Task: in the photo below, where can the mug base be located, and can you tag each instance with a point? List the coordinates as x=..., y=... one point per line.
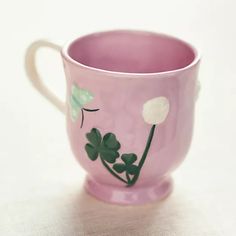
x=130, y=195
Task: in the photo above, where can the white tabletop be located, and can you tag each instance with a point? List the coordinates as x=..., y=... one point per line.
x=41, y=190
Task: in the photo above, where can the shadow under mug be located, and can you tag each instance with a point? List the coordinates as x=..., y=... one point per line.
x=129, y=109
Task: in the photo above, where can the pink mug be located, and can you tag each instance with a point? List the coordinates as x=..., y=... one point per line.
x=129, y=109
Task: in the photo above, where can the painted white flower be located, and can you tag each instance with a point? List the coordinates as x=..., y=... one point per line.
x=156, y=110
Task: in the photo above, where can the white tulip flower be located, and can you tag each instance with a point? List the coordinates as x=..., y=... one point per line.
x=156, y=110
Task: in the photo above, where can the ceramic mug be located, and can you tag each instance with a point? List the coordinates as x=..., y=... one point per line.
x=129, y=109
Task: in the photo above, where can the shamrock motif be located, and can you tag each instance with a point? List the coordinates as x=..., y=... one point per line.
x=106, y=147
x=79, y=97
x=155, y=111
x=128, y=165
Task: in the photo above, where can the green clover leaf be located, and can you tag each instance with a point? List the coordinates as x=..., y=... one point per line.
x=111, y=142
x=119, y=167
x=132, y=169
x=92, y=148
x=128, y=166
x=107, y=147
x=94, y=137
x=91, y=151
x=129, y=158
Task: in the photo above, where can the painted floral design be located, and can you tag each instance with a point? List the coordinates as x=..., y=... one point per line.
x=156, y=110
x=128, y=165
x=80, y=97
x=107, y=147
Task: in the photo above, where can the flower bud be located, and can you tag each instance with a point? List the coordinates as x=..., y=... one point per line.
x=156, y=110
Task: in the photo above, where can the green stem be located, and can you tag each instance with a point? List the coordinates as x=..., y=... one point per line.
x=128, y=178
x=112, y=172
x=143, y=158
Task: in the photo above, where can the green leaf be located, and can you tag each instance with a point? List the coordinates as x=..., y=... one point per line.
x=129, y=158
x=109, y=155
x=119, y=167
x=91, y=151
x=84, y=96
x=111, y=142
x=94, y=137
x=132, y=169
x=74, y=103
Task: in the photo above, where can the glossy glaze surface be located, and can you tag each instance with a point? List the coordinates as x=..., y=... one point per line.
x=120, y=98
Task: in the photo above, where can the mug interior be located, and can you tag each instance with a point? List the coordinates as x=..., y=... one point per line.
x=131, y=52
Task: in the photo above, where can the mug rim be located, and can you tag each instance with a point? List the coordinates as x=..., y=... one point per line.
x=195, y=61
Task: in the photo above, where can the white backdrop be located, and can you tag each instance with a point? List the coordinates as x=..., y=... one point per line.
x=40, y=181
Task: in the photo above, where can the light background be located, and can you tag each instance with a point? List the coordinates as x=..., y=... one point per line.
x=40, y=181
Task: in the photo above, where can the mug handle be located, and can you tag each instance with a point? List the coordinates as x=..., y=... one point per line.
x=33, y=75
